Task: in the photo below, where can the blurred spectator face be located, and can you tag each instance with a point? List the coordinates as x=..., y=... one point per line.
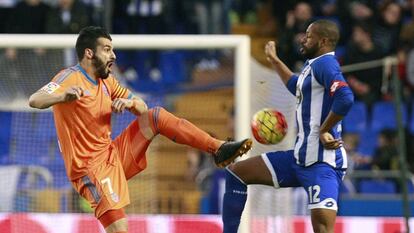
x=303, y=12
x=65, y=4
x=392, y=14
x=33, y=2
x=360, y=11
x=359, y=36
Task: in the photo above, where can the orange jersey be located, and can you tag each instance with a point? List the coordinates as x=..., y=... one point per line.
x=84, y=126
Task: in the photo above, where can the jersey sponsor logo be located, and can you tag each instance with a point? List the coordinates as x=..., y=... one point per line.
x=50, y=87
x=335, y=86
x=299, y=96
x=115, y=197
x=239, y=192
x=329, y=204
x=87, y=93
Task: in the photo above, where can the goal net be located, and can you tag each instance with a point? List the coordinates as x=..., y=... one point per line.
x=210, y=80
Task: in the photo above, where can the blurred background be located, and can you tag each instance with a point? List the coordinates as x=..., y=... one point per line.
x=181, y=190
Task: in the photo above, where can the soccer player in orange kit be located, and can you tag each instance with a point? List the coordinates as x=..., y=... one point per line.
x=83, y=98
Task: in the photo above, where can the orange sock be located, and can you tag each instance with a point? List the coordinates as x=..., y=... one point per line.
x=181, y=131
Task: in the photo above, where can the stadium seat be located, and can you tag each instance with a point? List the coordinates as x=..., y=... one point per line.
x=368, y=141
x=411, y=124
x=172, y=67
x=377, y=186
x=356, y=119
x=383, y=116
x=5, y=119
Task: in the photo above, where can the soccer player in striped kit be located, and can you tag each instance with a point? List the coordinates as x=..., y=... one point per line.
x=318, y=161
x=83, y=98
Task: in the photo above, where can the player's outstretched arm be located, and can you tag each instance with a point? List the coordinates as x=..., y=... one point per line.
x=42, y=99
x=280, y=67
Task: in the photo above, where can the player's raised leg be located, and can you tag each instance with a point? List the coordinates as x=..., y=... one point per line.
x=160, y=121
x=273, y=169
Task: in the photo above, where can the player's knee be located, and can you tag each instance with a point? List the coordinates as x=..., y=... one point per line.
x=121, y=225
x=323, y=220
x=114, y=221
x=322, y=228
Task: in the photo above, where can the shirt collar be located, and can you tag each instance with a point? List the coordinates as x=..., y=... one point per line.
x=313, y=59
x=94, y=82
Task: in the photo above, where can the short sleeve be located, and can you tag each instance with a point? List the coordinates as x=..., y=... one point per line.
x=327, y=72
x=60, y=82
x=117, y=91
x=291, y=84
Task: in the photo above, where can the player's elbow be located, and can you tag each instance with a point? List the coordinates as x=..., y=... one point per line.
x=343, y=101
x=34, y=102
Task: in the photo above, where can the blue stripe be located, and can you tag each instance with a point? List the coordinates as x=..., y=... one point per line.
x=339, y=159
x=86, y=75
x=306, y=110
x=92, y=188
x=65, y=74
x=326, y=108
x=130, y=95
x=155, y=118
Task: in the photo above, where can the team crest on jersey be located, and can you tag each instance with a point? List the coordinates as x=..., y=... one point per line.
x=299, y=96
x=329, y=204
x=50, y=87
x=115, y=197
x=105, y=90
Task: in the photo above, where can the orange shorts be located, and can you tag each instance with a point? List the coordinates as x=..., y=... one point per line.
x=105, y=186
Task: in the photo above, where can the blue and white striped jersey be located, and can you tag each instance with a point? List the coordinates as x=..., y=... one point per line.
x=314, y=89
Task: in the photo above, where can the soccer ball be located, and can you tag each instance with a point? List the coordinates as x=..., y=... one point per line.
x=269, y=126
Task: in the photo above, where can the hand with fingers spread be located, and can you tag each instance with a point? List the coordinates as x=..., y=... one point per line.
x=270, y=51
x=73, y=93
x=329, y=142
x=119, y=105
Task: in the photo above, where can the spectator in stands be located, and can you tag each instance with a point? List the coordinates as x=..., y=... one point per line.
x=6, y=7
x=243, y=11
x=366, y=84
x=407, y=57
x=296, y=23
x=386, y=154
x=97, y=13
x=387, y=27
x=353, y=11
x=28, y=16
x=68, y=17
x=210, y=20
x=147, y=17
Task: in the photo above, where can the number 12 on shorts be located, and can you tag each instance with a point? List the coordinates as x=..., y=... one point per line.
x=313, y=192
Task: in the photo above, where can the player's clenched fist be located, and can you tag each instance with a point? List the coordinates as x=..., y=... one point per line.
x=72, y=93
x=120, y=104
x=270, y=51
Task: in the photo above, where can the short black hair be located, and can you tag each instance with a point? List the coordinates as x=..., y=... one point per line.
x=328, y=29
x=88, y=38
